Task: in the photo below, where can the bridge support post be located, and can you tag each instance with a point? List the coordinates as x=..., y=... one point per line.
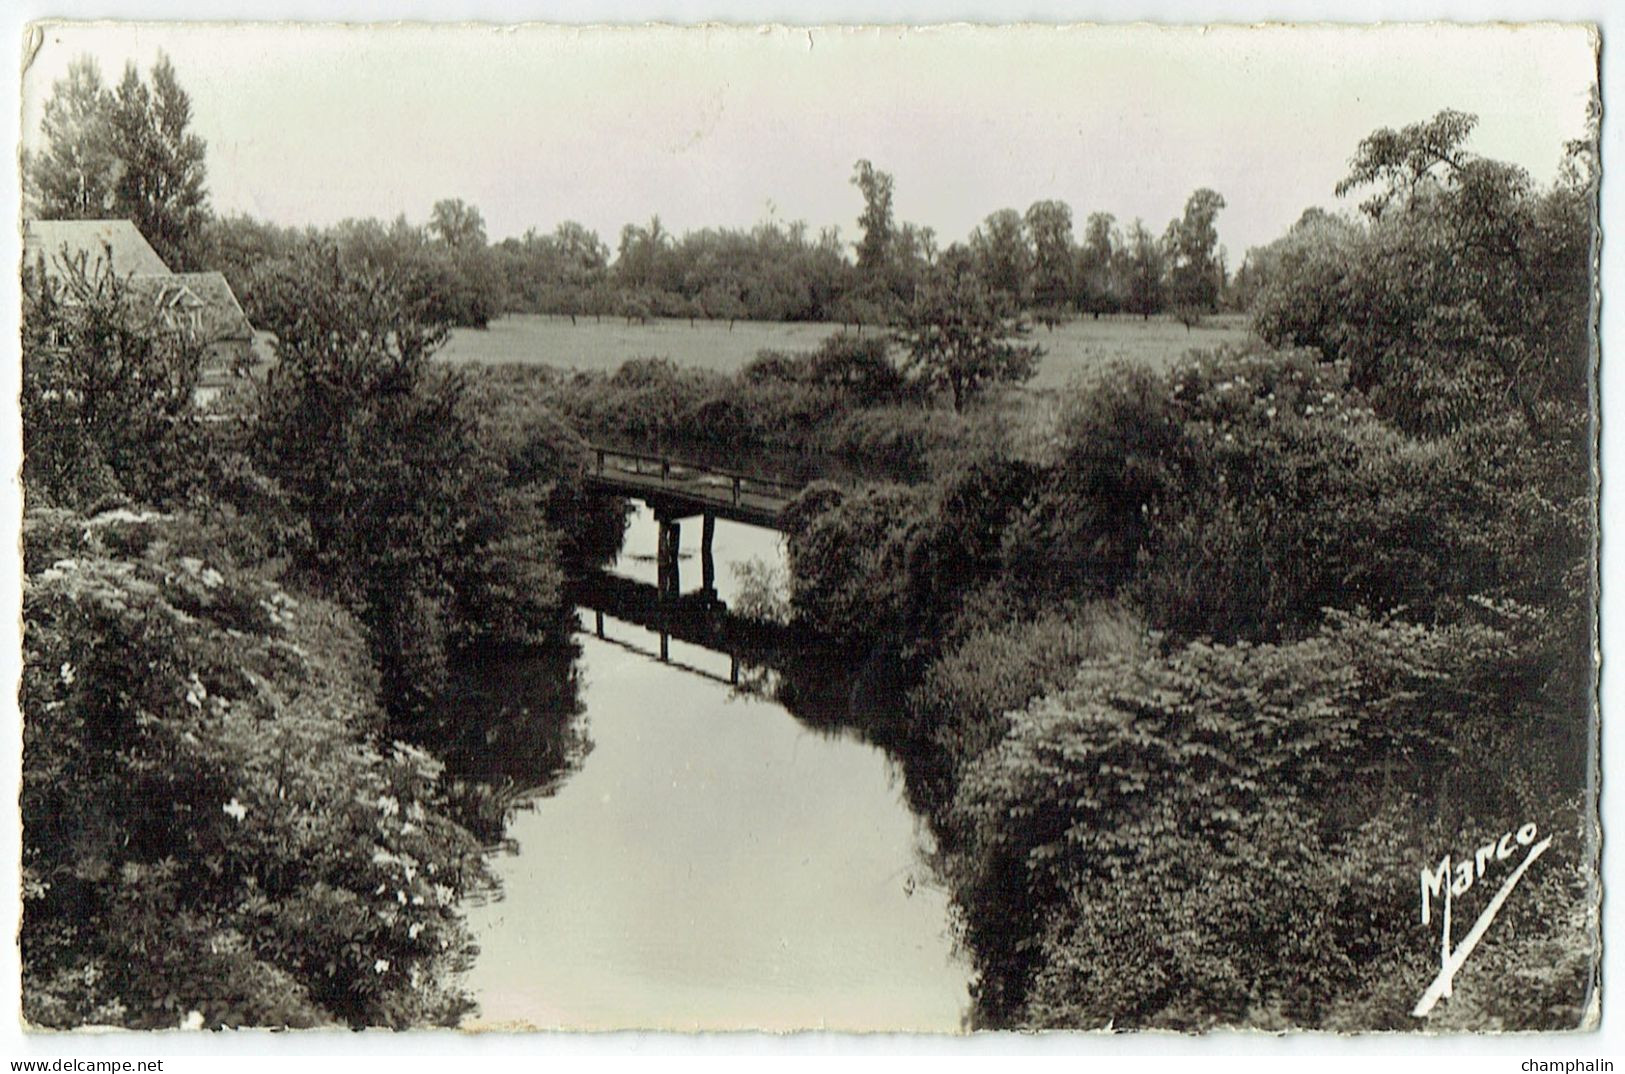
x=708, y=565
x=666, y=559
x=599, y=616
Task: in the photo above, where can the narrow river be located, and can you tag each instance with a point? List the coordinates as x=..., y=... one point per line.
x=714, y=863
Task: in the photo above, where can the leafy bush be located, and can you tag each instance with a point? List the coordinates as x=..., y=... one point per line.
x=962, y=700
x=107, y=392
x=956, y=548
x=540, y=451
x=1247, y=490
x=794, y=403
x=847, y=554
x=655, y=405
x=762, y=595
x=1085, y=529
x=860, y=367
x=774, y=367
x=962, y=335
x=900, y=441
x=416, y=525
x=1287, y=496
x=210, y=824
x=1223, y=834
x=892, y=564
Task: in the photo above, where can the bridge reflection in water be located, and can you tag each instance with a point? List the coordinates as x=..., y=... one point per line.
x=699, y=619
x=793, y=668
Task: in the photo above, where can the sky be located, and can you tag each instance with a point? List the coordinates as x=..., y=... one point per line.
x=730, y=126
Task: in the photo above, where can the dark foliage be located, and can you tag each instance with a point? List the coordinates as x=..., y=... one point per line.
x=107, y=393
x=125, y=152
x=416, y=524
x=212, y=830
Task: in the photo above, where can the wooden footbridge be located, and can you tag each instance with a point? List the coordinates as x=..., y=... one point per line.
x=683, y=489
x=677, y=490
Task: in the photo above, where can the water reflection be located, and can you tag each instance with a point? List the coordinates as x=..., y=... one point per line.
x=510, y=730
x=729, y=855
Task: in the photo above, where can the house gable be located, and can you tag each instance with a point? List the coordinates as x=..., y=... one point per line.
x=201, y=302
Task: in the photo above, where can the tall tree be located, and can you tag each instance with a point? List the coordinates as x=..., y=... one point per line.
x=1049, y=225
x=581, y=248
x=71, y=178
x=641, y=261
x=961, y=334
x=1099, y=289
x=457, y=224
x=1002, y=255
x=875, y=246
x=1405, y=163
x=413, y=520
x=914, y=251
x=126, y=152
x=1145, y=262
x=1194, y=276
x=1434, y=310
x=159, y=181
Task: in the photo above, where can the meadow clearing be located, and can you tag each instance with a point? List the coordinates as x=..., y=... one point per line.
x=1069, y=350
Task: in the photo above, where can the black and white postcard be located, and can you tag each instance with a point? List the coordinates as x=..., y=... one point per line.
x=859, y=529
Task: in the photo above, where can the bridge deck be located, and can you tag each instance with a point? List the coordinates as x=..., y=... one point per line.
x=677, y=489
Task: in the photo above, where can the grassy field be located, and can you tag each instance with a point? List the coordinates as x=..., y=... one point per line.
x=1071, y=349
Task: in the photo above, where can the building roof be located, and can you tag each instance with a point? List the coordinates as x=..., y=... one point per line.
x=224, y=318
x=120, y=245
x=207, y=292
x=116, y=243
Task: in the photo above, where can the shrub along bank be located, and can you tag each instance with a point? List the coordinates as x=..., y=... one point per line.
x=216, y=825
x=1197, y=696
x=1221, y=679
x=844, y=406
x=235, y=628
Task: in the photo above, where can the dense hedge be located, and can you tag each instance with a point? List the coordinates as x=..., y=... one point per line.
x=1209, y=832
x=210, y=823
x=1193, y=699
x=235, y=629
x=841, y=410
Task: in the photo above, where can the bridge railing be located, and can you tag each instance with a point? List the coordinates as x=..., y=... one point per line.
x=696, y=479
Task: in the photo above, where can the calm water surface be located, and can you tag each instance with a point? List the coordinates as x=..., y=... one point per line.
x=714, y=863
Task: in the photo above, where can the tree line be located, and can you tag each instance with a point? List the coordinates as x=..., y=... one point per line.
x=127, y=151
x=1029, y=262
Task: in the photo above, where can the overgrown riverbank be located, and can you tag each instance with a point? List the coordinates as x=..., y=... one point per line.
x=1207, y=677
x=1197, y=695
x=844, y=409
x=240, y=629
